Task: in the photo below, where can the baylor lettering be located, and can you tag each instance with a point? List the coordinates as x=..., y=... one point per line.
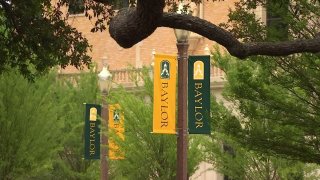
x=198, y=105
x=164, y=105
x=92, y=139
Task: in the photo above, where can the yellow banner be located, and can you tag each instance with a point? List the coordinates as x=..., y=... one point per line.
x=164, y=98
x=116, y=124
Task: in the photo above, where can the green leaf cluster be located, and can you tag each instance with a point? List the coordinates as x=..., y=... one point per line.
x=41, y=126
x=282, y=20
x=275, y=100
x=235, y=158
x=278, y=104
x=29, y=125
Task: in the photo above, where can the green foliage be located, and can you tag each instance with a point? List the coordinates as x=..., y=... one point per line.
x=285, y=20
x=41, y=127
x=236, y=161
x=156, y=153
x=35, y=35
x=70, y=163
x=29, y=125
x=277, y=100
x=247, y=27
x=277, y=20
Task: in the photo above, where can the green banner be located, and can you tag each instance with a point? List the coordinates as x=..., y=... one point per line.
x=92, y=131
x=199, y=94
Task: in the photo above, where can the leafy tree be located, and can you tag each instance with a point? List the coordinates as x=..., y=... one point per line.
x=238, y=162
x=276, y=97
x=156, y=153
x=35, y=35
x=42, y=127
x=274, y=100
x=29, y=123
x=70, y=163
x=277, y=105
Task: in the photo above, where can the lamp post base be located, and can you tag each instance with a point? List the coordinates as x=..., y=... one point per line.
x=104, y=140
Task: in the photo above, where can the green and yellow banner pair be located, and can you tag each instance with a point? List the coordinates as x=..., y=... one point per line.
x=92, y=131
x=164, y=99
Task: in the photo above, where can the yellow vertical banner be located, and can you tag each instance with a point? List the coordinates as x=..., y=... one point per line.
x=116, y=124
x=164, y=97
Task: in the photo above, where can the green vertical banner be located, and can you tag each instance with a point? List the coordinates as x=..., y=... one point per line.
x=199, y=94
x=92, y=131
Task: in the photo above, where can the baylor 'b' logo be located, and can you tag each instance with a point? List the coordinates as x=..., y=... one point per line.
x=198, y=70
x=93, y=114
x=165, y=69
x=116, y=116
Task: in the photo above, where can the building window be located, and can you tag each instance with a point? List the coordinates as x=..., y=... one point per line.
x=119, y=4
x=76, y=7
x=277, y=27
x=273, y=16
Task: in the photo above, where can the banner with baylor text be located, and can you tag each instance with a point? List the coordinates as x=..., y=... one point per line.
x=92, y=131
x=164, y=98
x=116, y=124
x=199, y=94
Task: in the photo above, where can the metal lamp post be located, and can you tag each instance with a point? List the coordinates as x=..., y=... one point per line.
x=105, y=86
x=182, y=141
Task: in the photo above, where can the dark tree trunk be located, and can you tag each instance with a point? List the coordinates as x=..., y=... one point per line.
x=132, y=25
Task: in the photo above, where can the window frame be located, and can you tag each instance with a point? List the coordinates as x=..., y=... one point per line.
x=76, y=7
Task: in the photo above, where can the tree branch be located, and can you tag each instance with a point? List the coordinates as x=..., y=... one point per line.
x=235, y=47
x=132, y=25
x=204, y=28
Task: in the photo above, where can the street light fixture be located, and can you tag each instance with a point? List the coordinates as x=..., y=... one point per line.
x=105, y=78
x=182, y=35
x=105, y=82
x=182, y=141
